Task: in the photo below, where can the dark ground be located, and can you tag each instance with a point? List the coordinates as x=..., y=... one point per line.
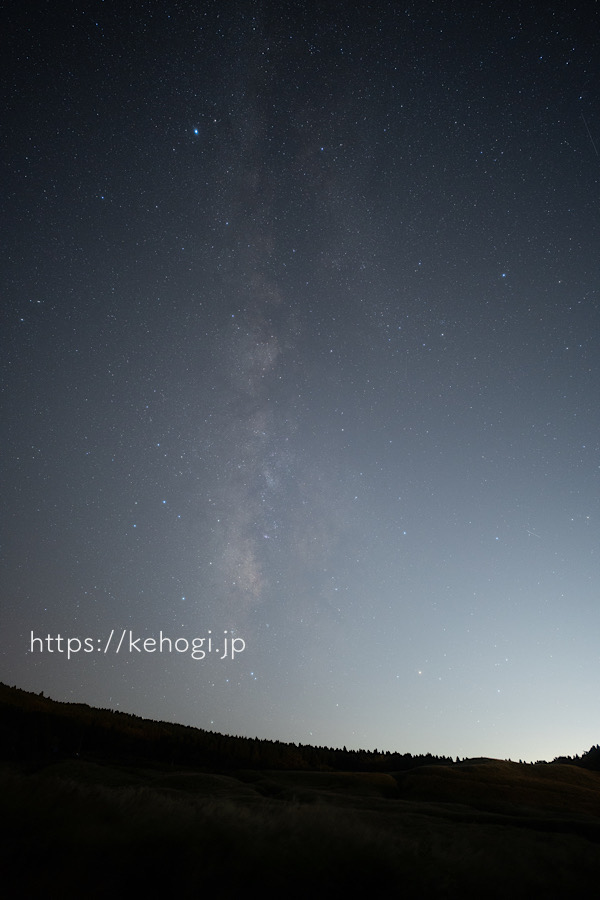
x=92, y=826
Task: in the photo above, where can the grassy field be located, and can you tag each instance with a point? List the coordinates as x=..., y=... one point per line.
x=80, y=828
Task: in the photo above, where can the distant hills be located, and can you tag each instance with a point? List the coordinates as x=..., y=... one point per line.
x=33, y=727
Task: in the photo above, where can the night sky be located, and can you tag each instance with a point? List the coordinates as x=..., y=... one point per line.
x=300, y=342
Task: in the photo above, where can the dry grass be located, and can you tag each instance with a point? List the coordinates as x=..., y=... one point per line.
x=561, y=789
x=77, y=829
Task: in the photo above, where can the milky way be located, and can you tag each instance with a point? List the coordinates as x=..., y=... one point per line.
x=300, y=344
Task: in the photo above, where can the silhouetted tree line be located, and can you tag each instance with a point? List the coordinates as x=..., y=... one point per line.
x=589, y=760
x=34, y=729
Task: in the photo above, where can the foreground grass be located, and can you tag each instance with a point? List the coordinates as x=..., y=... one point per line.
x=78, y=829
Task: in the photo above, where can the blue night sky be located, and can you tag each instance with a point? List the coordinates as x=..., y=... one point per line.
x=300, y=342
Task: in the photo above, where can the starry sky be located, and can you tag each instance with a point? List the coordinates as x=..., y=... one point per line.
x=300, y=344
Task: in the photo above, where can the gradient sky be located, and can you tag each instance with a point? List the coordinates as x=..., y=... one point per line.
x=301, y=341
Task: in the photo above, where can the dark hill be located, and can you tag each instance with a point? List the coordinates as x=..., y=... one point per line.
x=96, y=803
x=33, y=728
